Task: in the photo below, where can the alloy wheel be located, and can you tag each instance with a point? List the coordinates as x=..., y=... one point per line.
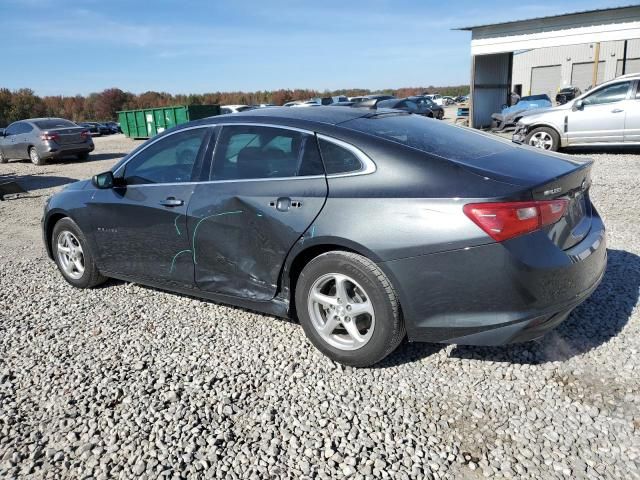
x=70, y=255
x=341, y=311
x=541, y=140
x=33, y=155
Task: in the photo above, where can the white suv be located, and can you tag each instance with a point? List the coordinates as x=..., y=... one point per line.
x=609, y=114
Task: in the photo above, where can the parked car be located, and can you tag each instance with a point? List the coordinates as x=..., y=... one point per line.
x=357, y=99
x=379, y=96
x=435, y=97
x=438, y=111
x=475, y=240
x=509, y=116
x=608, y=114
x=322, y=100
x=307, y=103
x=566, y=94
x=447, y=100
x=292, y=104
x=43, y=139
x=92, y=128
x=343, y=104
x=114, y=127
x=462, y=99
x=407, y=105
x=224, y=109
x=96, y=129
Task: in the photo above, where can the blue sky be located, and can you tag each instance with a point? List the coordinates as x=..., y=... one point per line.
x=70, y=47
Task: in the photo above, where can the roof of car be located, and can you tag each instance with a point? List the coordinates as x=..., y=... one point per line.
x=326, y=114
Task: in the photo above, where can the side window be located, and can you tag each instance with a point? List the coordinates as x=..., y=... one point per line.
x=169, y=160
x=338, y=159
x=609, y=94
x=245, y=152
x=26, y=128
x=13, y=129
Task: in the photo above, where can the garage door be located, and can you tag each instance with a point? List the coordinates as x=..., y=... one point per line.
x=582, y=75
x=633, y=66
x=545, y=80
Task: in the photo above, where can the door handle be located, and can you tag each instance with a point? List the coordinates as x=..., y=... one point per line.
x=617, y=110
x=171, y=202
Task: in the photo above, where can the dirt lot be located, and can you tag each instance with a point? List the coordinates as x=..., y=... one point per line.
x=125, y=381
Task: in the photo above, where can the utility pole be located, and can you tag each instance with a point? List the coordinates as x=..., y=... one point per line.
x=596, y=61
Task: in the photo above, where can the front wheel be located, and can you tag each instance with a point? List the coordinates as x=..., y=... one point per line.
x=35, y=157
x=73, y=256
x=544, y=138
x=348, y=309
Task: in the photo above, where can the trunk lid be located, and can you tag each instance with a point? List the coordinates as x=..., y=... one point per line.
x=545, y=176
x=66, y=136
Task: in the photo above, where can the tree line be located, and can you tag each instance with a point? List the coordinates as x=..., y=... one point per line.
x=24, y=103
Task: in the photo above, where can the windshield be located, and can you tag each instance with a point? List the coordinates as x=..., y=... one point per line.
x=447, y=141
x=54, y=123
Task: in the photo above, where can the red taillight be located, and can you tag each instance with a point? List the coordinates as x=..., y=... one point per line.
x=85, y=133
x=506, y=220
x=50, y=136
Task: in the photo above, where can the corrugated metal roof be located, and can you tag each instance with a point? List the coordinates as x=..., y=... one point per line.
x=548, y=16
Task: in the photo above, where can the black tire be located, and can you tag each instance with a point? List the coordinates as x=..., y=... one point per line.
x=440, y=115
x=554, y=146
x=389, y=328
x=91, y=276
x=35, y=157
x=3, y=159
x=84, y=156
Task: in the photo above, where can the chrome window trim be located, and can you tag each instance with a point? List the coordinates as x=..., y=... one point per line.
x=153, y=142
x=309, y=177
x=367, y=164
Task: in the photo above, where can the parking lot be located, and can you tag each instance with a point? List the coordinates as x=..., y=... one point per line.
x=125, y=381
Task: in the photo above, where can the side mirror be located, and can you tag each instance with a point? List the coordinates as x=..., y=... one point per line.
x=578, y=105
x=103, y=180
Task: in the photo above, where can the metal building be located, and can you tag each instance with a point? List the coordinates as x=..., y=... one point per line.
x=543, y=54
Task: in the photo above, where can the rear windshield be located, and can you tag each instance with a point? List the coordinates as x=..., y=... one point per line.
x=54, y=123
x=430, y=136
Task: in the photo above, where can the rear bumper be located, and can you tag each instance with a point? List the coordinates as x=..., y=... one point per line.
x=56, y=151
x=497, y=293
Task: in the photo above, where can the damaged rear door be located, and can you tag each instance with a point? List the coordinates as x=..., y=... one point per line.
x=267, y=185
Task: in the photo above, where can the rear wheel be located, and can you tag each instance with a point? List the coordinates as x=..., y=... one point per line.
x=440, y=115
x=35, y=157
x=348, y=309
x=544, y=138
x=73, y=256
x=3, y=159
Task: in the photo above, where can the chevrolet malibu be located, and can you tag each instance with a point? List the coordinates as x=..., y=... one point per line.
x=367, y=225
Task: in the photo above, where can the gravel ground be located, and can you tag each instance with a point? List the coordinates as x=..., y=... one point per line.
x=125, y=381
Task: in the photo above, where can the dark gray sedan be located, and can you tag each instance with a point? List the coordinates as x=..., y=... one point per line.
x=366, y=225
x=42, y=139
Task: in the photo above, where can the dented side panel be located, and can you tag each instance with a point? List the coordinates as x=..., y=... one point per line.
x=241, y=233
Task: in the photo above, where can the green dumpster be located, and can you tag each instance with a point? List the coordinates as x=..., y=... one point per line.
x=147, y=122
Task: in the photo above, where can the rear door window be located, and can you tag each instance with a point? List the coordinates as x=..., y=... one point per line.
x=248, y=152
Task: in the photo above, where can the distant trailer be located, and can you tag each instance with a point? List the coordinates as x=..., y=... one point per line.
x=148, y=122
